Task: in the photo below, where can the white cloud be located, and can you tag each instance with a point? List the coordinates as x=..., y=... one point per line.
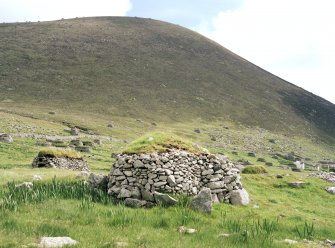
x=44, y=10
x=293, y=39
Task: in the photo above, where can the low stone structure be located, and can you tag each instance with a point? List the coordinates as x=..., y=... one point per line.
x=327, y=176
x=4, y=137
x=62, y=163
x=175, y=172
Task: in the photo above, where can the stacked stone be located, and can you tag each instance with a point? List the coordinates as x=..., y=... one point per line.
x=62, y=163
x=177, y=172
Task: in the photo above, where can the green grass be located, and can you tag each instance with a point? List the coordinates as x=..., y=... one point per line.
x=59, y=153
x=69, y=208
x=161, y=142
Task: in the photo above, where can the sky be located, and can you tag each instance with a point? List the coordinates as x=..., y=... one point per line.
x=293, y=39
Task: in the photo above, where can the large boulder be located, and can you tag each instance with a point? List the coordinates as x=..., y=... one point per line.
x=164, y=199
x=6, y=138
x=239, y=197
x=98, y=181
x=203, y=201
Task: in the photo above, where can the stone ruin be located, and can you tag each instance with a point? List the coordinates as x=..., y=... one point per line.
x=61, y=163
x=4, y=137
x=144, y=177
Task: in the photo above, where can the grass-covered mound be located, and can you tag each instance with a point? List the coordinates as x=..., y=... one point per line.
x=161, y=142
x=254, y=170
x=59, y=153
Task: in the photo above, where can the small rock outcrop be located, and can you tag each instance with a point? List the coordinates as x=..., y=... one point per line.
x=297, y=184
x=151, y=177
x=47, y=242
x=331, y=190
x=62, y=163
x=6, y=138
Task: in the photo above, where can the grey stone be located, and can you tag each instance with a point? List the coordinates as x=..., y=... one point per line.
x=203, y=201
x=207, y=172
x=124, y=193
x=171, y=180
x=164, y=199
x=134, y=203
x=298, y=184
x=138, y=164
x=216, y=185
x=28, y=185
x=331, y=190
x=128, y=173
x=147, y=195
x=215, y=198
x=47, y=242
x=98, y=181
x=158, y=184
x=239, y=197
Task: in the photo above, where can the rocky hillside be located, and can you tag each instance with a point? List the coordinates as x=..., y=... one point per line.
x=121, y=66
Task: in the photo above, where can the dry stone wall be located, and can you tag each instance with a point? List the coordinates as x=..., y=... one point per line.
x=177, y=172
x=62, y=163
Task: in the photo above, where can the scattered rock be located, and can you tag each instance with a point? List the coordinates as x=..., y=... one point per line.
x=239, y=197
x=85, y=149
x=98, y=181
x=197, y=130
x=76, y=142
x=183, y=229
x=52, y=113
x=224, y=235
x=164, y=199
x=47, y=242
x=203, y=201
x=298, y=184
x=331, y=190
x=6, y=138
x=83, y=174
x=28, y=185
x=290, y=241
x=37, y=178
x=120, y=244
x=327, y=176
x=251, y=154
x=74, y=131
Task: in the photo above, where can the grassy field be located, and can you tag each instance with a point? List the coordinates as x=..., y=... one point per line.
x=276, y=212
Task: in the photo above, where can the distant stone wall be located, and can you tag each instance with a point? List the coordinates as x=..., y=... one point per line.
x=62, y=163
x=177, y=172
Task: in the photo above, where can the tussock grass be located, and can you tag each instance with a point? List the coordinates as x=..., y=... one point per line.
x=41, y=191
x=59, y=153
x=161, y=142
x=254, y=170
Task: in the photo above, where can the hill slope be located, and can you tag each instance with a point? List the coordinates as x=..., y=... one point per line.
x=142, y=68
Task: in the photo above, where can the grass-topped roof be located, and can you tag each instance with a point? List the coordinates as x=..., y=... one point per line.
x=59, y=153
x=161, y=142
